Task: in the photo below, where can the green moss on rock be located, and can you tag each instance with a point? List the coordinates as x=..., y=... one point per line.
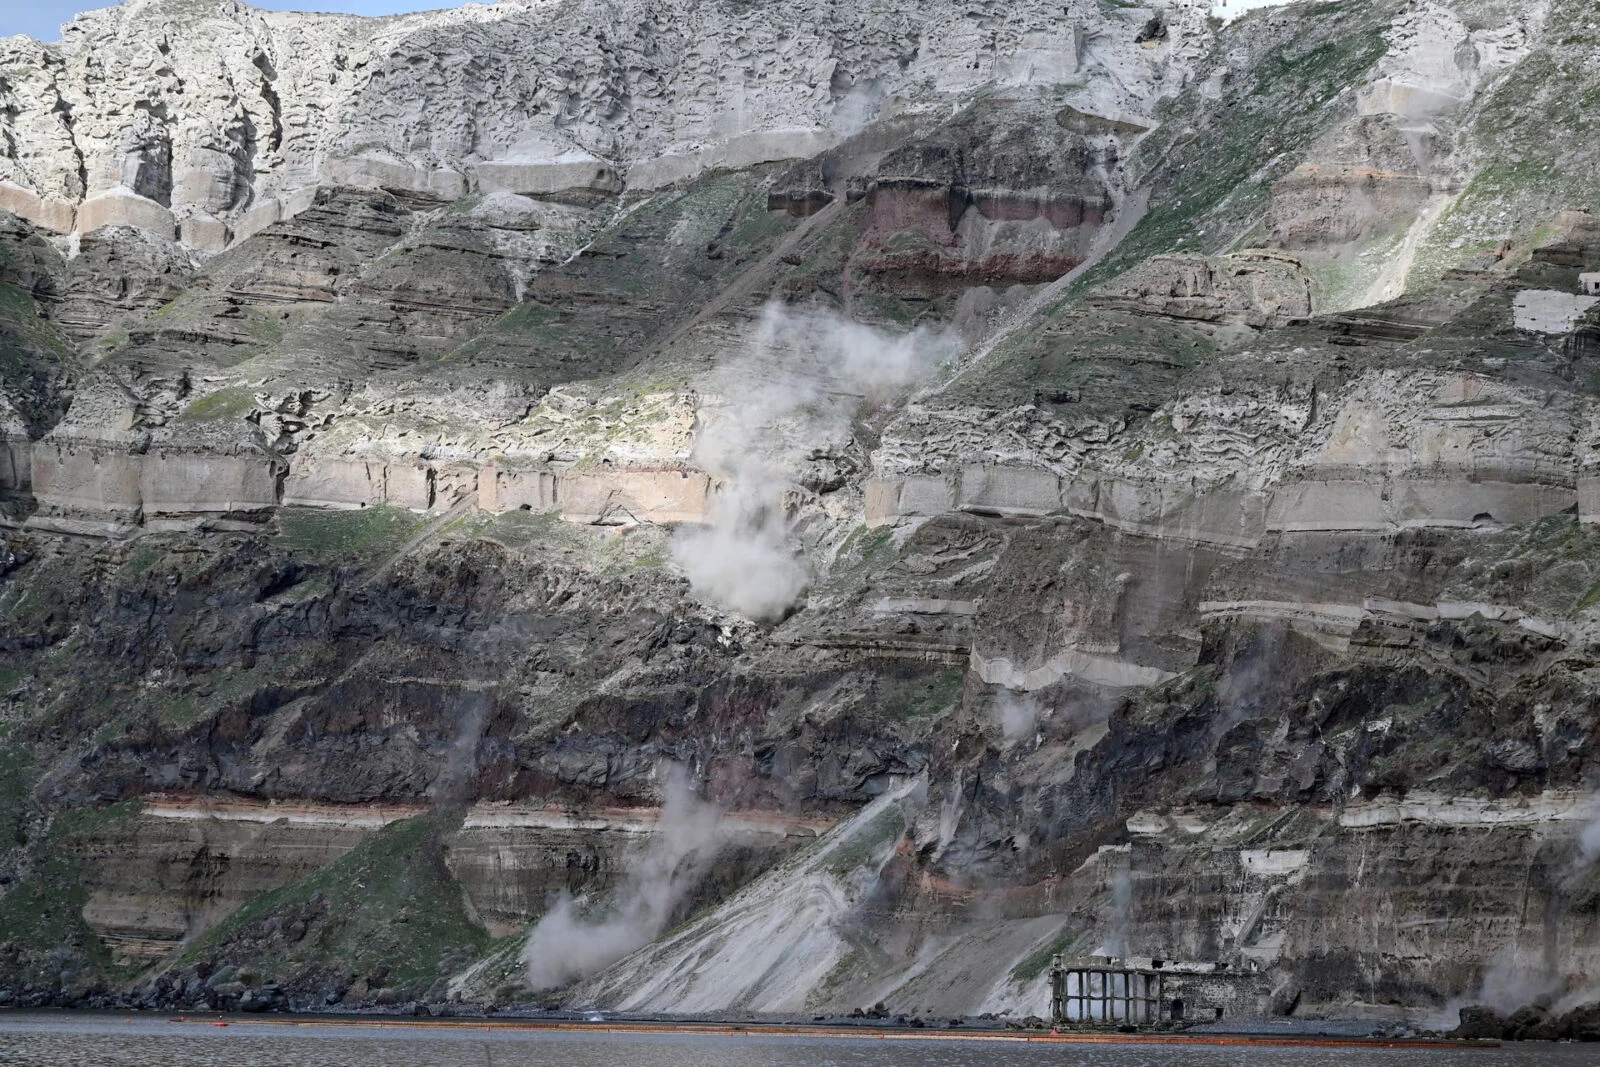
x=387, y=913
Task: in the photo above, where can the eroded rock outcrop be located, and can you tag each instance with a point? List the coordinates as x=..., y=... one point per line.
x=185, y=120
x=1256, y=289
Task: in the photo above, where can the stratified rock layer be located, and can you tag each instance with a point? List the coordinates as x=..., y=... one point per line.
x=1164, y=453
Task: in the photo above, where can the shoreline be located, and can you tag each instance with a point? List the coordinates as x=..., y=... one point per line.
x=786, y=1030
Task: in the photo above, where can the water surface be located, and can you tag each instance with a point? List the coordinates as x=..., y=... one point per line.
x=49, y=1040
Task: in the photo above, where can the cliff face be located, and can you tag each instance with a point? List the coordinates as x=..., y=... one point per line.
x=1058, y=478
x=207, y=120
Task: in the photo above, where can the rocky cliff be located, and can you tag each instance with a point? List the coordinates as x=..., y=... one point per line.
x=1075, y=477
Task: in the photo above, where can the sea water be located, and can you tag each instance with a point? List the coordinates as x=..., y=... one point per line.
x=48, y=1040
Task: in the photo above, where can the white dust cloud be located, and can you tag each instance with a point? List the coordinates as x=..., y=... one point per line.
x=789, y=399
x=565, y=945
x=1017, y=713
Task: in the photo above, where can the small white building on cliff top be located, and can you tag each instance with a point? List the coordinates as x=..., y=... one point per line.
x=1228, y=10
x=1589, y=284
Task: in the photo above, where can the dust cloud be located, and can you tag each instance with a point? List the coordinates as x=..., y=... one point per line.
x=1589, y=845
x=789, y=400
x=567, y=945
x=1118, y=937
x=1511, y=982
x=454, y=782
x=1017, y=713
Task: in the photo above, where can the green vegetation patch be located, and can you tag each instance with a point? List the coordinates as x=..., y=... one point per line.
x=649, y=269
x=36, y=602
x=921, y=697
x=527, y=318
x=1215, y=167
x=1550, y=567
x=1540, y=120
x=1342, y=283
x=1188, y=690
x=15, y=303
x=389, y=910
x=16, y=786
x=1038, y=961
x=41, y=914
x=35, y=361
x=865, y=552
x=606, y=549
x=1211, y=163
x=222, y=687
x=356, y=537
x=230, y=402
x=1086, y=363
x=866, y=843
x=146, y=553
